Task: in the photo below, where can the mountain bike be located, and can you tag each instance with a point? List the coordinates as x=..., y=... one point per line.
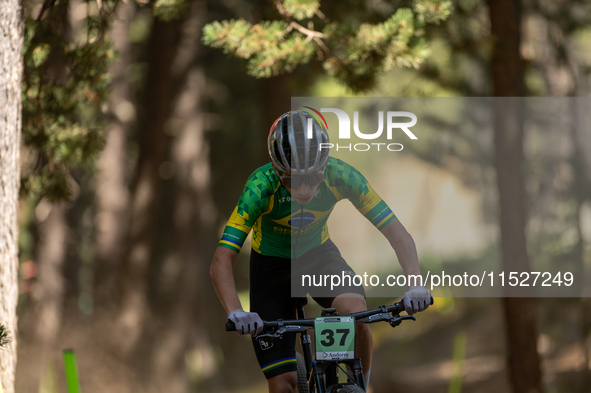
x=334, y=344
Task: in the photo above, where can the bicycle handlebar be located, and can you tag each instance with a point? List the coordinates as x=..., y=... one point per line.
x=298, y=325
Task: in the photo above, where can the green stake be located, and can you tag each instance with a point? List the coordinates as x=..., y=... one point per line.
x=455, y=385
x=71, y=371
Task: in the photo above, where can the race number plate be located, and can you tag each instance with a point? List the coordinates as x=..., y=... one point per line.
x=335, y=338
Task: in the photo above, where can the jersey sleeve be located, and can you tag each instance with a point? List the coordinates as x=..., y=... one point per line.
x=253, y=202
x=349, y=183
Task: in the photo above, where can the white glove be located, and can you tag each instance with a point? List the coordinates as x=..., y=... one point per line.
x=246, y=322
x=416, y=299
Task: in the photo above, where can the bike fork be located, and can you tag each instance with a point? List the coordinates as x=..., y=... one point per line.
x=358, y=373
x=306, y=343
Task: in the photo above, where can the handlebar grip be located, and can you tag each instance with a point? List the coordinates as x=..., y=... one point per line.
x=400, y=305
x=230, y=326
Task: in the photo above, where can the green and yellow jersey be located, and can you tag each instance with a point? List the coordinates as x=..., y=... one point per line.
x=277, y=220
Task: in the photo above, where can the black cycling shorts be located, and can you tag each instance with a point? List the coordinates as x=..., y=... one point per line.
x=270, y=297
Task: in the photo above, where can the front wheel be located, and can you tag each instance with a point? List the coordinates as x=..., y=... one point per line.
x=302, y=380
x=351, y=389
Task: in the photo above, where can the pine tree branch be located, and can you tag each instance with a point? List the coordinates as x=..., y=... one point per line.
x=322, y=16
x=355, y=55
x=281, y=8
x=308, y=33
x=321, y=44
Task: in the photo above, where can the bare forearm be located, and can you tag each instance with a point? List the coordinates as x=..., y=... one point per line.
x=223, y=281
x=406, y=252
x=404, y=247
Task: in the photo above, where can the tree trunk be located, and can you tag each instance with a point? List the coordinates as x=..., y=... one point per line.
x=190, y=159
x=42, y=320
x=181, y=288
x=507, y=80
x=112, y=199
x=11, y=46
x=133, y=307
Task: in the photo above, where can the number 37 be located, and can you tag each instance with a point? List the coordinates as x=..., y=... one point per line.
x=329, y=336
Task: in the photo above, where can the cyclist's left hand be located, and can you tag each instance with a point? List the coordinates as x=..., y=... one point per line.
x=416, y=299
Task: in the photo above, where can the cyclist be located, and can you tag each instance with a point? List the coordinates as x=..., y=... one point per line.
x=286, y=203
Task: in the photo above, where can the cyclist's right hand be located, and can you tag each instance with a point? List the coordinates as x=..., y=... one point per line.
x=246, y=322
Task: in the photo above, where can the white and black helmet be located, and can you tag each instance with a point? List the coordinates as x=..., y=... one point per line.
x=290, y=148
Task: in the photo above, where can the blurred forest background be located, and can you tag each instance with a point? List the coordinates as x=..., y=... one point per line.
x=139, y=133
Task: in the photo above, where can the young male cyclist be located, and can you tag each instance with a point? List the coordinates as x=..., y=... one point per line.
x=286, y=203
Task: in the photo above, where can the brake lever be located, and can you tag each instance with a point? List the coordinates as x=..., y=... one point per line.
x=279, y=332
x=397, y=319
x=377, y=318
x=270, y=336
x=394, y=320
